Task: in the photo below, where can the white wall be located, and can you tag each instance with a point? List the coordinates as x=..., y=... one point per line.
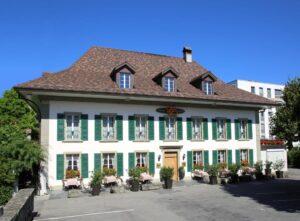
x=91, y=146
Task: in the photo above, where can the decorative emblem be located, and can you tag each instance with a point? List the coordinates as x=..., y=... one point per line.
x=171, y=111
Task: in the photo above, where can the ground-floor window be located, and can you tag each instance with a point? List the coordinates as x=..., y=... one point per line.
x=141, y=159
x=197, y=158
x=221, y=156
x=109, y=160
x=244, y=157
x=72, y=161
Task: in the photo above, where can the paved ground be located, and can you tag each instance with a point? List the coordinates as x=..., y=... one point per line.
x=269, y=200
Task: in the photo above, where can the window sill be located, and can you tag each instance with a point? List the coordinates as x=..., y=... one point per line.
x=72, y=141
x=243, y=139
x=221, y=140
x=108, y=141
x=202, y=140
x=170, y=140
x=140, y=141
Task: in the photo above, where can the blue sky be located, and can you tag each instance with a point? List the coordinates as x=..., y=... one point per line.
x=235, y=39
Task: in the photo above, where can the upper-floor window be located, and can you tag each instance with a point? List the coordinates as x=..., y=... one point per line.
x=221, y=129
x=261, y=91
x=243, y=129
x=141, y=127
x=197, y=158
x=169, y=84
x=141, y=159
x=253, y=90
x=170, y=129
x=269, y=92
x=197, y=129
x=222, y=156
x=109, y=160
x=124, y=80
x=278, y=93
x=72, y=127
x=208, y=87
x=109, y=129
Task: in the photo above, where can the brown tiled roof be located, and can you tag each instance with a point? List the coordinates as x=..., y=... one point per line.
x=92, y=73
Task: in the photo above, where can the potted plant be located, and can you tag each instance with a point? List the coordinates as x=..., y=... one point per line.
x=213, y=173
x=166, y=174
x=278, y=166
x=268, y=165
x=181, y=172
x=72, y=174
x=109, y=172
x=96, y=182
x=135, y=174
x=258, y=170
x=198, y=167
x=233, y=168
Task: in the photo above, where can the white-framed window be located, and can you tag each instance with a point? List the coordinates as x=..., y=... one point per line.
x=198, y=157
x=208, y=87
x=141, y=159
x=262, y=124
x=244, y=155
x=72, y=161
x=261, y=91
x=243, y=128
x=269, y=92
x=270, y=114
x=72, y=126
x=222, y=156
x=197, y=128
x=252, y=89
x=170, y=128
x=169, y=84
x=108, y=127
x=141, y=132
x=109, y=160
x=221, y=129
x=125, y=80
x=278, y=93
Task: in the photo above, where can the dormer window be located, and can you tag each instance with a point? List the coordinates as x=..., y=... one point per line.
x=169, y=84
x=124, y=80
x=208, y=87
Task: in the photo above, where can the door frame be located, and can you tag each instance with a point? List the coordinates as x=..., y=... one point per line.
x=176, y=149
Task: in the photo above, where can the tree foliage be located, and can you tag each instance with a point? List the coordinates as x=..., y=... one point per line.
x=18, y=155
x=286, y=122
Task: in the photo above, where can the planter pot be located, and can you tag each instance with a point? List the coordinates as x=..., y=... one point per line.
x=135, y=185
x=213, y=180
x=96, y=190
x=279, y=174
x=168, y=183
x=259, y=176
x=234, y=178
x=268, y=172
x=181, y=174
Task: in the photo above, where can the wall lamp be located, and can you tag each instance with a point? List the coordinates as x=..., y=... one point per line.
x=183, y=156
x=158, y=158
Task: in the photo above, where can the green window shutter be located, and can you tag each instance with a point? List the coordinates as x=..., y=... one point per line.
x=60, y=127
x=189, y=128
x=119, y=119
x=179, y=128
x=214, y=129
x=206, y=160
x=205, y=128
x=120, y=164
x=215, y=157
x=237, y=157
x=251, y=157
x=131, y=160
x=228, y=127
x=131, y=128
x=98, y=128
x=84, y=165
x=151, y=128
x=161, y=128
x=60, y=167
x=97, y=161
x=84, y=127
x=250, y=135
x=189, y=161
x=151, y=162
x=237, y=129
x=229, y=153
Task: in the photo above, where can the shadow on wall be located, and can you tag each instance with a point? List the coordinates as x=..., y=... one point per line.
x=280, y=194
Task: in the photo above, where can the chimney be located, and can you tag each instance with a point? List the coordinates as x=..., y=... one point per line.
x=187, y=54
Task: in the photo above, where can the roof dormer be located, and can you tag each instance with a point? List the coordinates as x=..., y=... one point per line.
x=167, y=79
x=205, y=82
x=123, y=75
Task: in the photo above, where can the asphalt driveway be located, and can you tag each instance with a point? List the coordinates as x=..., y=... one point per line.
x=269, y=200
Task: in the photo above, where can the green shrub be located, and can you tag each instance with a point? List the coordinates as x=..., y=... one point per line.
x=166, y=173
x=294, y=157
x=233, y=168
x=5, y=194
x=96, y=178
x=213, y=170
x=135, y=173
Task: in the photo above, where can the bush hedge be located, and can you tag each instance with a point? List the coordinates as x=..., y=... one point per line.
x=294, y=157
x=5, y=194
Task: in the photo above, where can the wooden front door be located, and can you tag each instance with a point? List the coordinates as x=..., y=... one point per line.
x=171, y=160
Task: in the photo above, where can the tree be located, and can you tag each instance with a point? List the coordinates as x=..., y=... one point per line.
x=19, y=157
x=286, y=122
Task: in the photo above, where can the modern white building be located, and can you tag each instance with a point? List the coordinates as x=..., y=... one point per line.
x=274, y=93
x=119, y=109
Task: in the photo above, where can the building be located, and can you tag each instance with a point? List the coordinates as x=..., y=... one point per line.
x=120, y=109
x=270, y=149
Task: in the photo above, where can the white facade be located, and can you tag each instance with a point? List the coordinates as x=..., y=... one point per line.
x=125, y=146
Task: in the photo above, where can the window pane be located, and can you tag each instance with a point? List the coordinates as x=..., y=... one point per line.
x=170, y=128
x=221, y=129
x=197, y=129
x=243, y=129
x=169, y=84
x=197, y=158
x=208, y=87
x=221, y=156
x=124, y=80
